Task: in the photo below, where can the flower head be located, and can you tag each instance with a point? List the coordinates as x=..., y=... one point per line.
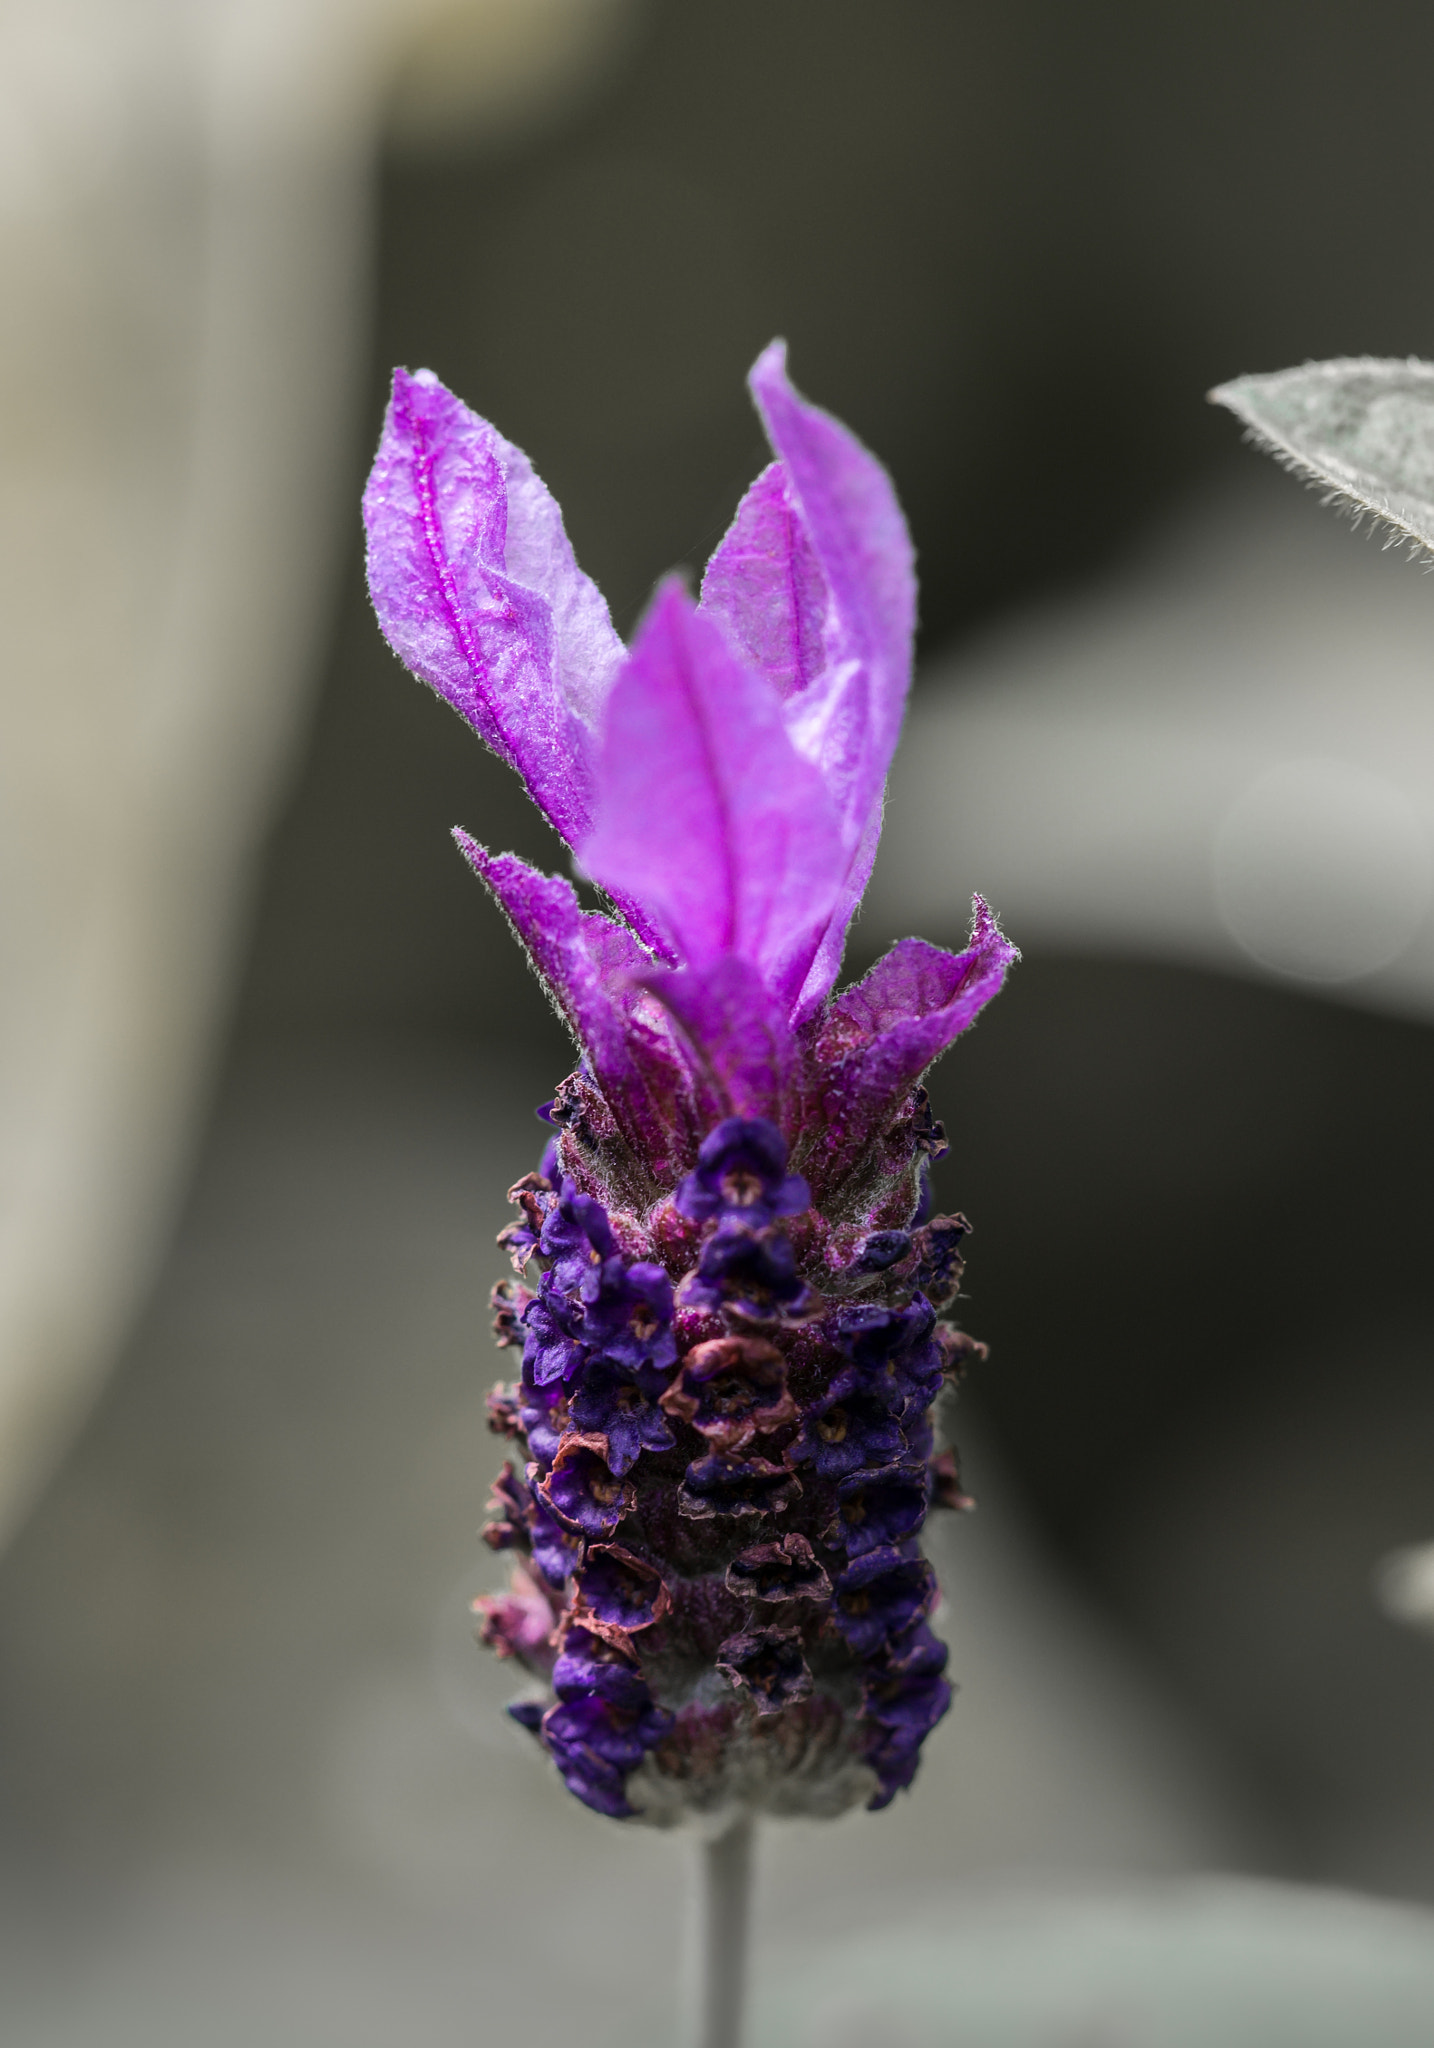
x=728, y=1274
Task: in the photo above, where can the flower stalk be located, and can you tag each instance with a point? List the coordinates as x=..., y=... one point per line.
x=725, y=1907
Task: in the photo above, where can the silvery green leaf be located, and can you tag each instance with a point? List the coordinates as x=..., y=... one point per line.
x=1361, y=426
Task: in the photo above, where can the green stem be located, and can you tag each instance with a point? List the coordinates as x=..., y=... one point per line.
x=725, y=1885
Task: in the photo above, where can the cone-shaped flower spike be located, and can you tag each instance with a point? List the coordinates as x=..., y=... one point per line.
x=728, y=1285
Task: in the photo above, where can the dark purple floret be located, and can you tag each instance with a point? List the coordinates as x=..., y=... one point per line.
x=893, y=1350
x=619, y=1591
x=959, y=1352
x=508, y=1299
x=919, y=1430
x=527, y=1713
x=612, y=1403
x=593, y=1665
x=770, y=1664
x=600, y=1786
x=856, y=1432
x=722, y=1485
x=880, y=1597
x=543, y=1413
x=595, y=1744
x=732, y=1389
x=930, y=1136
x=901, y=1712
x=945, y=1483
x=918, y=1654
x=751, y=1272
x=895, y=1756
x=576, y=1236
x=909, y=1702
x=581, y=1489
x=882, y=1249
x=553, y=1349
x=510, y=1507
x=504, y=1403
x=520, y=1622
x=612, y=1735
x=741, y=1173
x=940, y=1262
x=534, y=1195
x=557, y=1552
x=784, y=1570
x=878, y=1508
x=628, y=1314
x=872, y=1335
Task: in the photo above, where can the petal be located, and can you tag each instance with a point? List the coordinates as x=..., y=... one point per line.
x=917, y=998
x=738, y=1031
x=708, y=818
x=591, y=969
x=765, y=587
x=881, y=1036
x=847, y=717
x=477, y=592
x=826, y=961
x=857, y=534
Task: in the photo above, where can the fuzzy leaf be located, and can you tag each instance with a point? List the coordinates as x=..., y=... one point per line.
x=1362, y=426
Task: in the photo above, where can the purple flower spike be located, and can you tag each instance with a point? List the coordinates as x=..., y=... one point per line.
x=742, y=1173
x=728, y=1269
x=732, y=1389
x=582, y=1491
x=770, y=1664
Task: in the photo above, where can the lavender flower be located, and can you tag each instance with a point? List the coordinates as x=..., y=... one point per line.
x=728, y=1278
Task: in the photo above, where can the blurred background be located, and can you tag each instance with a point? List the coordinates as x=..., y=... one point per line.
x=267, y=1054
